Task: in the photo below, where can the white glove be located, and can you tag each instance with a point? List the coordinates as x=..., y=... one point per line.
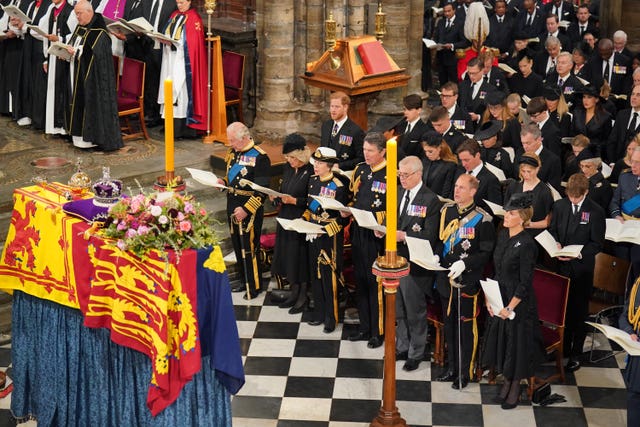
x=311, y=237
x=436, y=260
x=456, y=269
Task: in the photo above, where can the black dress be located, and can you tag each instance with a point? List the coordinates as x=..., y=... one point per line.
x=542, y=202
x=530, y=86
x=597, y=129
x=514, y=347
x=290, y=251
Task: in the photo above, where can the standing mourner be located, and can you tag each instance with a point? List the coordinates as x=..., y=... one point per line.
x=92, y=123
x=245, y=208
x=466, y=243
x=341, y=133
x=325, y=250
x=369, y=188
x=512, y=345
x=295, y=184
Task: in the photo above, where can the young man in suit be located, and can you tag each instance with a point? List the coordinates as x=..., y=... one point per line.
x=581, y=26
x=577, y=220
x=500, y=29
x=418, y=217
x=539, y=113
x=610, y=67
x=441, y=123
x=530, y=20
x=550, y=168
x=627, y=125
x=553, y=29
x=450, y=33
x=341, y=133
x=411, y=128
x=562, y=9
x=489, y=186
x=474, y=90
x=459, y=117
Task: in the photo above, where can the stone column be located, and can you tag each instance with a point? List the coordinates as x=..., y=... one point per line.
x=357, y=18
x=276, y=109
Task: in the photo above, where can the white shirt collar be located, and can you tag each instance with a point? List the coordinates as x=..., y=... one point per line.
x=539, y=150
x=341, y=122
x=542, y=123
x=475, y=171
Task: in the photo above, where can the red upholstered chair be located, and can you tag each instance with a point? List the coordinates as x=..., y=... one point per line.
x=552, y=291
x=233, y=70
x=131, y=97
x=434, y=317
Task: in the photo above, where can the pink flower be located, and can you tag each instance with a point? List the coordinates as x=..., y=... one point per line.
x=185, y=226
x=155, y=210
x=163, y=219
x=180, y=216
x=122, y=226
x=203, y=212
x=121, y=245
x=130, y=233
x=143, y=229
x=188, y=208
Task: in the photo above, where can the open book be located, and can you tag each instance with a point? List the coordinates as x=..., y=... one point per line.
x=507, y=69
x=495, y=208
x=301, y=226
x=619, y=232
x=205, y=177
x=15, y=12
x=492, y=295
x=430, y=44
x=620, y=337
x=583, y=81
x=496, y=171
x=260, y=188
x=551, y=246
x=60, y=50
x=420, y=253
x=159, y=37
x=120, y=27
x=554, y=193
x=139, y=25
x=526, y=99
x=365, y=219
x=328, y=203
x=37, y=29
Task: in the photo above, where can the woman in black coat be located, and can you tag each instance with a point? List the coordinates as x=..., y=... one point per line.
x=439, y=166
x=592, y=121
x=295, y=183
x=512, y=340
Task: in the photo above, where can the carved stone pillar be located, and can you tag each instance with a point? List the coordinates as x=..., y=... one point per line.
x=356, y=19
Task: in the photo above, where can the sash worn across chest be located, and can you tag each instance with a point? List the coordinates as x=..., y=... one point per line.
x=454, y=233
x=245, y=159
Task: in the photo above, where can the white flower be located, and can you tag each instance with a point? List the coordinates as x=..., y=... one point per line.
x=155, y=210
x=163, y=219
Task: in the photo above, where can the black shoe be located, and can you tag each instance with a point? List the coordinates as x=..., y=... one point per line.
x=572, y=366
x=375, y=342
x=238, y=288
x=296, y=310
x=286, y=304
x=359, y=336
x=411, y=365
x=402, y=355
x=252, y=294
x=314, y=322
x=328, y=329
x=459, y=384
x=447, y=376
x=152, y=123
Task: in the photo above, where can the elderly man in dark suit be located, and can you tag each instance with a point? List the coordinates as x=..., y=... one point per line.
x=610, y=67
x=418, y=217
x=342, y=134
x=577, y=220
x=530, y=20
x=544, y=63
x=627, y=125
x=564, y=78
x=450, y=33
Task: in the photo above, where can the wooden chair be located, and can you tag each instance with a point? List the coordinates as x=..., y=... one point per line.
x=434, y=318
x=607, y=301
x=131, y=97
x=116, y=69
x=552, y=292
x=233, y=71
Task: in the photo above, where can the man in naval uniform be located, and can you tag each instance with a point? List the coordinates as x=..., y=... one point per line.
x=467, y=236
x=245, y=210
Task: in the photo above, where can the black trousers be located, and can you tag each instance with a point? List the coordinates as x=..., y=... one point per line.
x=447, y=67
x=580, y=290
x=365, y=247
x=468, y=331
x=249, y=241
x=324, y=278
x=633, y=408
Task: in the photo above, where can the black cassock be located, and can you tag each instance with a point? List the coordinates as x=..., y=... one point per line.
x=94, y=109
x=514, y=347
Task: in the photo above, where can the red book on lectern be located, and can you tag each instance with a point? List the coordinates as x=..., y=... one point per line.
x=374, y=58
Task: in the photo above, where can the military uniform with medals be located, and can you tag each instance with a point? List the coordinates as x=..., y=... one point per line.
x=630, y=323
x=325, y=250
x=466, y=235
x=369, y=188
x=253, y=164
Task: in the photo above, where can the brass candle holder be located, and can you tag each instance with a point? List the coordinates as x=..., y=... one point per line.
x=381, y=23
x=330, y=27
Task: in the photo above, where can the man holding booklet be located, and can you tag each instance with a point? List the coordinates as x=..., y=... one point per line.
x=577, y=220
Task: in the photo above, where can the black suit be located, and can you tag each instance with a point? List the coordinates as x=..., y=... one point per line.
x=421, y=220
x=621, y=134
x=489, y=189
x=498, y=79
x=447, y=61
x=566, y=12
x=540, y=63
x=474, y=105
x=620, y=73
x=570, y=85
x=574, y=32
x=347, y=143
x=550, y=169
x=500, y=33
x=587, y=228
x=551, y=137
x=460, y=120
x=536, y=27
x=440, y=176
x=410, y=144
x=453, y=137
x=600, y=191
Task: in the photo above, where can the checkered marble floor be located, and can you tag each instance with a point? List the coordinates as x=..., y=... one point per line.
x=298, y=376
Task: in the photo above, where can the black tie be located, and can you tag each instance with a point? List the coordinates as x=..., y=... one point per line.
x=581, y=29
x=605, y=76
x=634, y=122
x=560, y=82
x=154, y=12
x=407, y=200
x=500, y=20
x=529, y=18
x=575, y=209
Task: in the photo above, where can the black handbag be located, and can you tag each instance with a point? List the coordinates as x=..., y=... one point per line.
x=541, y=393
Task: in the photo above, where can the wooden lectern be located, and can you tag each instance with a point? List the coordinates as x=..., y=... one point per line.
x=343, y=70
x=217, y=107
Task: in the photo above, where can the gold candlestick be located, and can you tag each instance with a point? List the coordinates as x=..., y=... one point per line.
x=381, y=23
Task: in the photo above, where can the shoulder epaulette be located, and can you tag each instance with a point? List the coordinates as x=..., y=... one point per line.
x=485, y=215
x=337, y=182
x=446, y=206
x=259, y=150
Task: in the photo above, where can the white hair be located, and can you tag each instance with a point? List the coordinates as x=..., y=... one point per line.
x=620, y=35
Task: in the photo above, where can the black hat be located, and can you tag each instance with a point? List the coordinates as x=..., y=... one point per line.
x=293, y=142
x=590, y=90
x=325, y=154
x=551, y=92
x=412, y=102
x=586, y=154
x=431, y=138
x=525, y=53
x=494, y=97
x=487, y=130
x=519, y=201
x=528, y=160
x=385, y=123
